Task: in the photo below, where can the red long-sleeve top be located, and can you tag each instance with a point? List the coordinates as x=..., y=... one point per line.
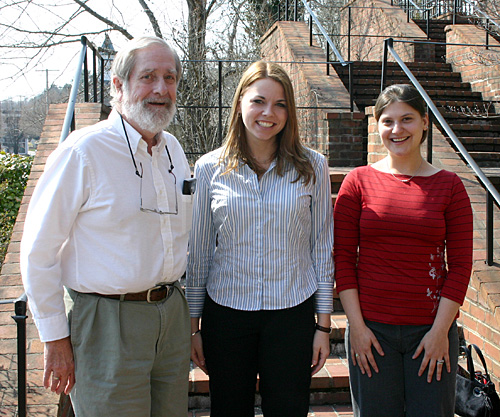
x=400, y=232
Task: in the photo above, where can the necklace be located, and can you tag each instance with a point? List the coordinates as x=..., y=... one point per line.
x=408, y=179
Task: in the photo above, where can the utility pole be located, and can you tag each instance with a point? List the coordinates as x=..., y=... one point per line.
x=47, y=87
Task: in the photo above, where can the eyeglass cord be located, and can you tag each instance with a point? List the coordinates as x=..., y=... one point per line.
x=170, y=171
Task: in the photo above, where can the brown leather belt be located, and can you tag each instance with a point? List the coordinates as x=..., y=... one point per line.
x=153, y=295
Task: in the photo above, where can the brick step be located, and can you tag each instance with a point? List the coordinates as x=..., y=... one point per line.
x=479, y=133
x=421, y=67
x=329, y=386
x=442, y=84
x=337, y=175
x=375, y=74
x=337, y=410
x=455, y=95
x=436, y=34
x=432, y=66
x=486, y=159
x=338, y=324
x=471, y=124
x=480, y=146
x=365, y=101
x=480, y=124
x=437, y=22
x=494, y=140
x=479, y=113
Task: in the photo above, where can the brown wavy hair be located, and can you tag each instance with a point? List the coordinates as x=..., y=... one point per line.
x=290, y=150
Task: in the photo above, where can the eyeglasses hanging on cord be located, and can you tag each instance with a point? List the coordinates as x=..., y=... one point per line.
x=170, y=171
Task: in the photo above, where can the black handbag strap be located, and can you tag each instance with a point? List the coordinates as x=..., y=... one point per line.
x=470, y=362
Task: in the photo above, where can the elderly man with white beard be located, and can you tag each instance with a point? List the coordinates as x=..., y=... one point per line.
x=105, y=243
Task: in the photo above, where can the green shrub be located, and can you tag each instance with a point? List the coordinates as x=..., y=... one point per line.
x=14, y=172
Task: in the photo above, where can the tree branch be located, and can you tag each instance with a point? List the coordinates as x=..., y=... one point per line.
x=113, y=25
x=210, y=7
x=50, y=33
x=152, y=18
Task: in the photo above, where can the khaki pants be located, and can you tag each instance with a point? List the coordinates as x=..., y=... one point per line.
x=131, y=358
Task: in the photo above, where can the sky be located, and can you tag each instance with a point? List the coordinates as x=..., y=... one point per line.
x=57, y=65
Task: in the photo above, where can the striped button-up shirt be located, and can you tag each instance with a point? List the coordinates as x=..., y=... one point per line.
x=260, y=245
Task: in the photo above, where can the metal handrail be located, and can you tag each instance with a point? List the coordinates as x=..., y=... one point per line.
x=328, y=40
x=329, y=44
x=69, y=119
x=477, y=10
x=20, y=318
x=492, y=193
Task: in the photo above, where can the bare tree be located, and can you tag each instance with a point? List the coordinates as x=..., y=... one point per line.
x=216, y=40
x=34, y=111
x=12, y=134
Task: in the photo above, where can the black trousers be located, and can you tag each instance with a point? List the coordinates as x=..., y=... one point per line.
x=276, y=344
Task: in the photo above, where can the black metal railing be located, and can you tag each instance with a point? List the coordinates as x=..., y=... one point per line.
x=97, y=85
x=414, y=10
x=20, y=319
x=329, y=44
x=492, y=195
x=455, y=9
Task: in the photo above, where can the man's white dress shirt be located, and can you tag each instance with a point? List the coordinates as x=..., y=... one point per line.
x=85, y=230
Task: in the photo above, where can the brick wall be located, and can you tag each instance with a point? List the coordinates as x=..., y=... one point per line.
x=480, y=312
x=376, y=149
x=329, y=127
x=345, y=131
x=374, y=20
x=479, y=66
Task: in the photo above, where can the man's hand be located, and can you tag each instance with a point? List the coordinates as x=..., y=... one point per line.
x=58, y=358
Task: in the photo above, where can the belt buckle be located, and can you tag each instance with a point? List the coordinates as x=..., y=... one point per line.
x=155, y=288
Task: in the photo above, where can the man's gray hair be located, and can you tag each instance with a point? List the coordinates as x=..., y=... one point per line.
x=125, y=61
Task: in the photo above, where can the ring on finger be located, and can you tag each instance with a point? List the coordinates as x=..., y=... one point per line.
x=357, y=355
x=440, y=361
x=57, y=378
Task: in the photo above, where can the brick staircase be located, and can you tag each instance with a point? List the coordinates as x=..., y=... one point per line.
x=463, y=109
x=436, y=34
x=329, y=388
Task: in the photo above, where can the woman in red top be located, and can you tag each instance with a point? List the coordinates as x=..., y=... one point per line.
x=394, y=222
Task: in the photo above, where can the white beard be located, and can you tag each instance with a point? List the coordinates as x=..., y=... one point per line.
x=148, y=119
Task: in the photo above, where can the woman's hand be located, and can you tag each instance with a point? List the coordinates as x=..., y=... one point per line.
x=197, y=355
x=435, y=343
x=321, y=350
x=362, y=339
x=435, y=346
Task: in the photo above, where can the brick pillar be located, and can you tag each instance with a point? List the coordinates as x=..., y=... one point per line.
x=346, y=145
x=376, y=149
x=325, y=121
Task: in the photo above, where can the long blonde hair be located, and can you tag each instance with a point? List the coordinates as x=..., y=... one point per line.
x=290, y=151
